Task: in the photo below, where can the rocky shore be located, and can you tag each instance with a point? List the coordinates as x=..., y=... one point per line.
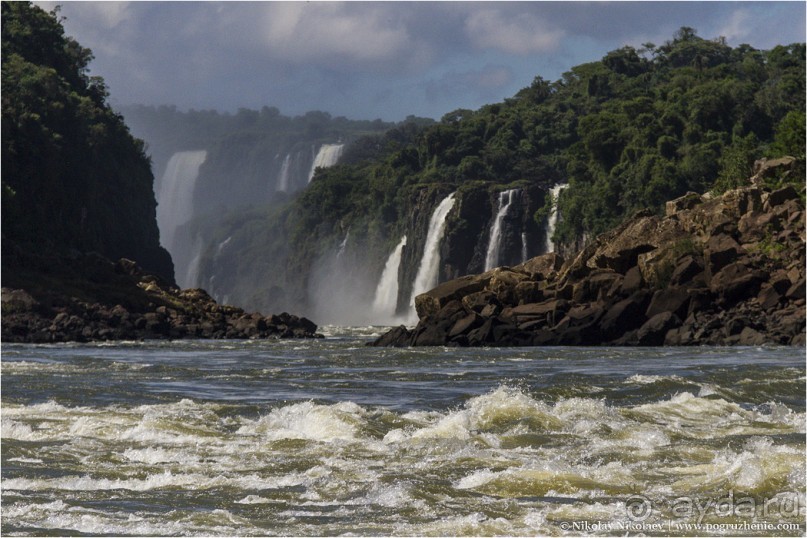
x=89, y=298
x=722, y=270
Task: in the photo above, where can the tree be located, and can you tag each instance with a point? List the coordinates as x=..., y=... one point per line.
x=73, y=177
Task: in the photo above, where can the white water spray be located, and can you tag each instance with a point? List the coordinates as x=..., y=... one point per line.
x=328, y=155
x=506, y=199
x=386, y=294
x=429, y=270
x=552, y=220
x=175, y=194
x=191, y=277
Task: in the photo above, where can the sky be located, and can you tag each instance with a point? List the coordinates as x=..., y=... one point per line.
x=387, y=60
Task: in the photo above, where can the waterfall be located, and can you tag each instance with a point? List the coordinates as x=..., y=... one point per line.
x=552, y=220
x=191, y=275
x=222, y=245
x=283, y=179
x=328, y=155
x=506, y=199
x=386, y=294
x=523, y=247
x=175, y=194
x=342, y=246
x=429, y=270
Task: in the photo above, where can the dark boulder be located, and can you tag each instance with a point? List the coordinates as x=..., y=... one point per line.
x=654, y=330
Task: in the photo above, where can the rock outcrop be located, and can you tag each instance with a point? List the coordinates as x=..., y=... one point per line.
x=715, y=270
x=94, y=299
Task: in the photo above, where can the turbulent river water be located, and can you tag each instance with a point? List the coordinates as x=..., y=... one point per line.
x=329, y=437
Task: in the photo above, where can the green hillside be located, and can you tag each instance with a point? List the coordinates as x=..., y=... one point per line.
x=73, y=177
x=637, y=128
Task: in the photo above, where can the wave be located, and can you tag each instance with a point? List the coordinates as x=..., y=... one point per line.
x=455, y=471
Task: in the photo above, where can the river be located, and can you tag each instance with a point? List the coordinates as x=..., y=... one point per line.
x=329, y=437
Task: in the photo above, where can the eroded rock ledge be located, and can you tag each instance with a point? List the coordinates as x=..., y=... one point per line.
x=95, y=299
x=725, y=270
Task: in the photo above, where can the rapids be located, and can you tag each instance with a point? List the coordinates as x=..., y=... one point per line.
x=328, y=437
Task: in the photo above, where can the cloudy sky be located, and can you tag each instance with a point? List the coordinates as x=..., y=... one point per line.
x=368, y=60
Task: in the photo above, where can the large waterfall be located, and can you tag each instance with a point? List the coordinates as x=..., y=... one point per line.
x=328, y=155
x=552, y=220
x=429, y=270
x=386, y=294
x=506, y=200
x=175, y=195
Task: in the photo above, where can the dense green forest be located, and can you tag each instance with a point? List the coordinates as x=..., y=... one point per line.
x=73, y=177
x=631, y=131
x=637, y=128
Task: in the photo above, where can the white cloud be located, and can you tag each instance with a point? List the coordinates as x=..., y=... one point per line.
x=111, y=14
x=517, y=34
x=738, y=26
x=303, y=31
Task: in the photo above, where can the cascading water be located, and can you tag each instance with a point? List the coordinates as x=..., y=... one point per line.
x=386, y=294
x=342, y=247
x=328, y=155
x=552, y=220
x=190, y=278
x=523, y=247
x=506, y=199
x=283, y=178
x=175, y=195
x=222, y=245
x=429, y=270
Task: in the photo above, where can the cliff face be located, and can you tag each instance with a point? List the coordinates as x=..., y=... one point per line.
x=77, y=192
x=718, y=270
x=73, y=177
x=329, y=267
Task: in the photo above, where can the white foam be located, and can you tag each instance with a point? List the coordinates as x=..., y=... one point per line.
x=254, y=499
x=166, y=479
x=639, y=379
x=310, y=421
x=12, y=429
x=26, y=460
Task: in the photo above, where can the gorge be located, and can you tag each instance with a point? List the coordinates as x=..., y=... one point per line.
x=349, y=221
x=487, y=252
x=547, y=170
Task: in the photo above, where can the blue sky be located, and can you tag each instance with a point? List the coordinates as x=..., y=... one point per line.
x=368, y=60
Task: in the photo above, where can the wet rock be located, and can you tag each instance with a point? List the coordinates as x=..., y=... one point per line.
x=687, y=201
x=796, y=291
x=721, y=250
x=632, y=282
x=781, y=196
x=132, y=305
x=466, y=324
x=712, y=262
x=674, y=300
x=768, y=297
x=624, y=316
x=427, y=304
x=541, y=266
x=737, y=281
x=686, y=270
x=654, y=330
